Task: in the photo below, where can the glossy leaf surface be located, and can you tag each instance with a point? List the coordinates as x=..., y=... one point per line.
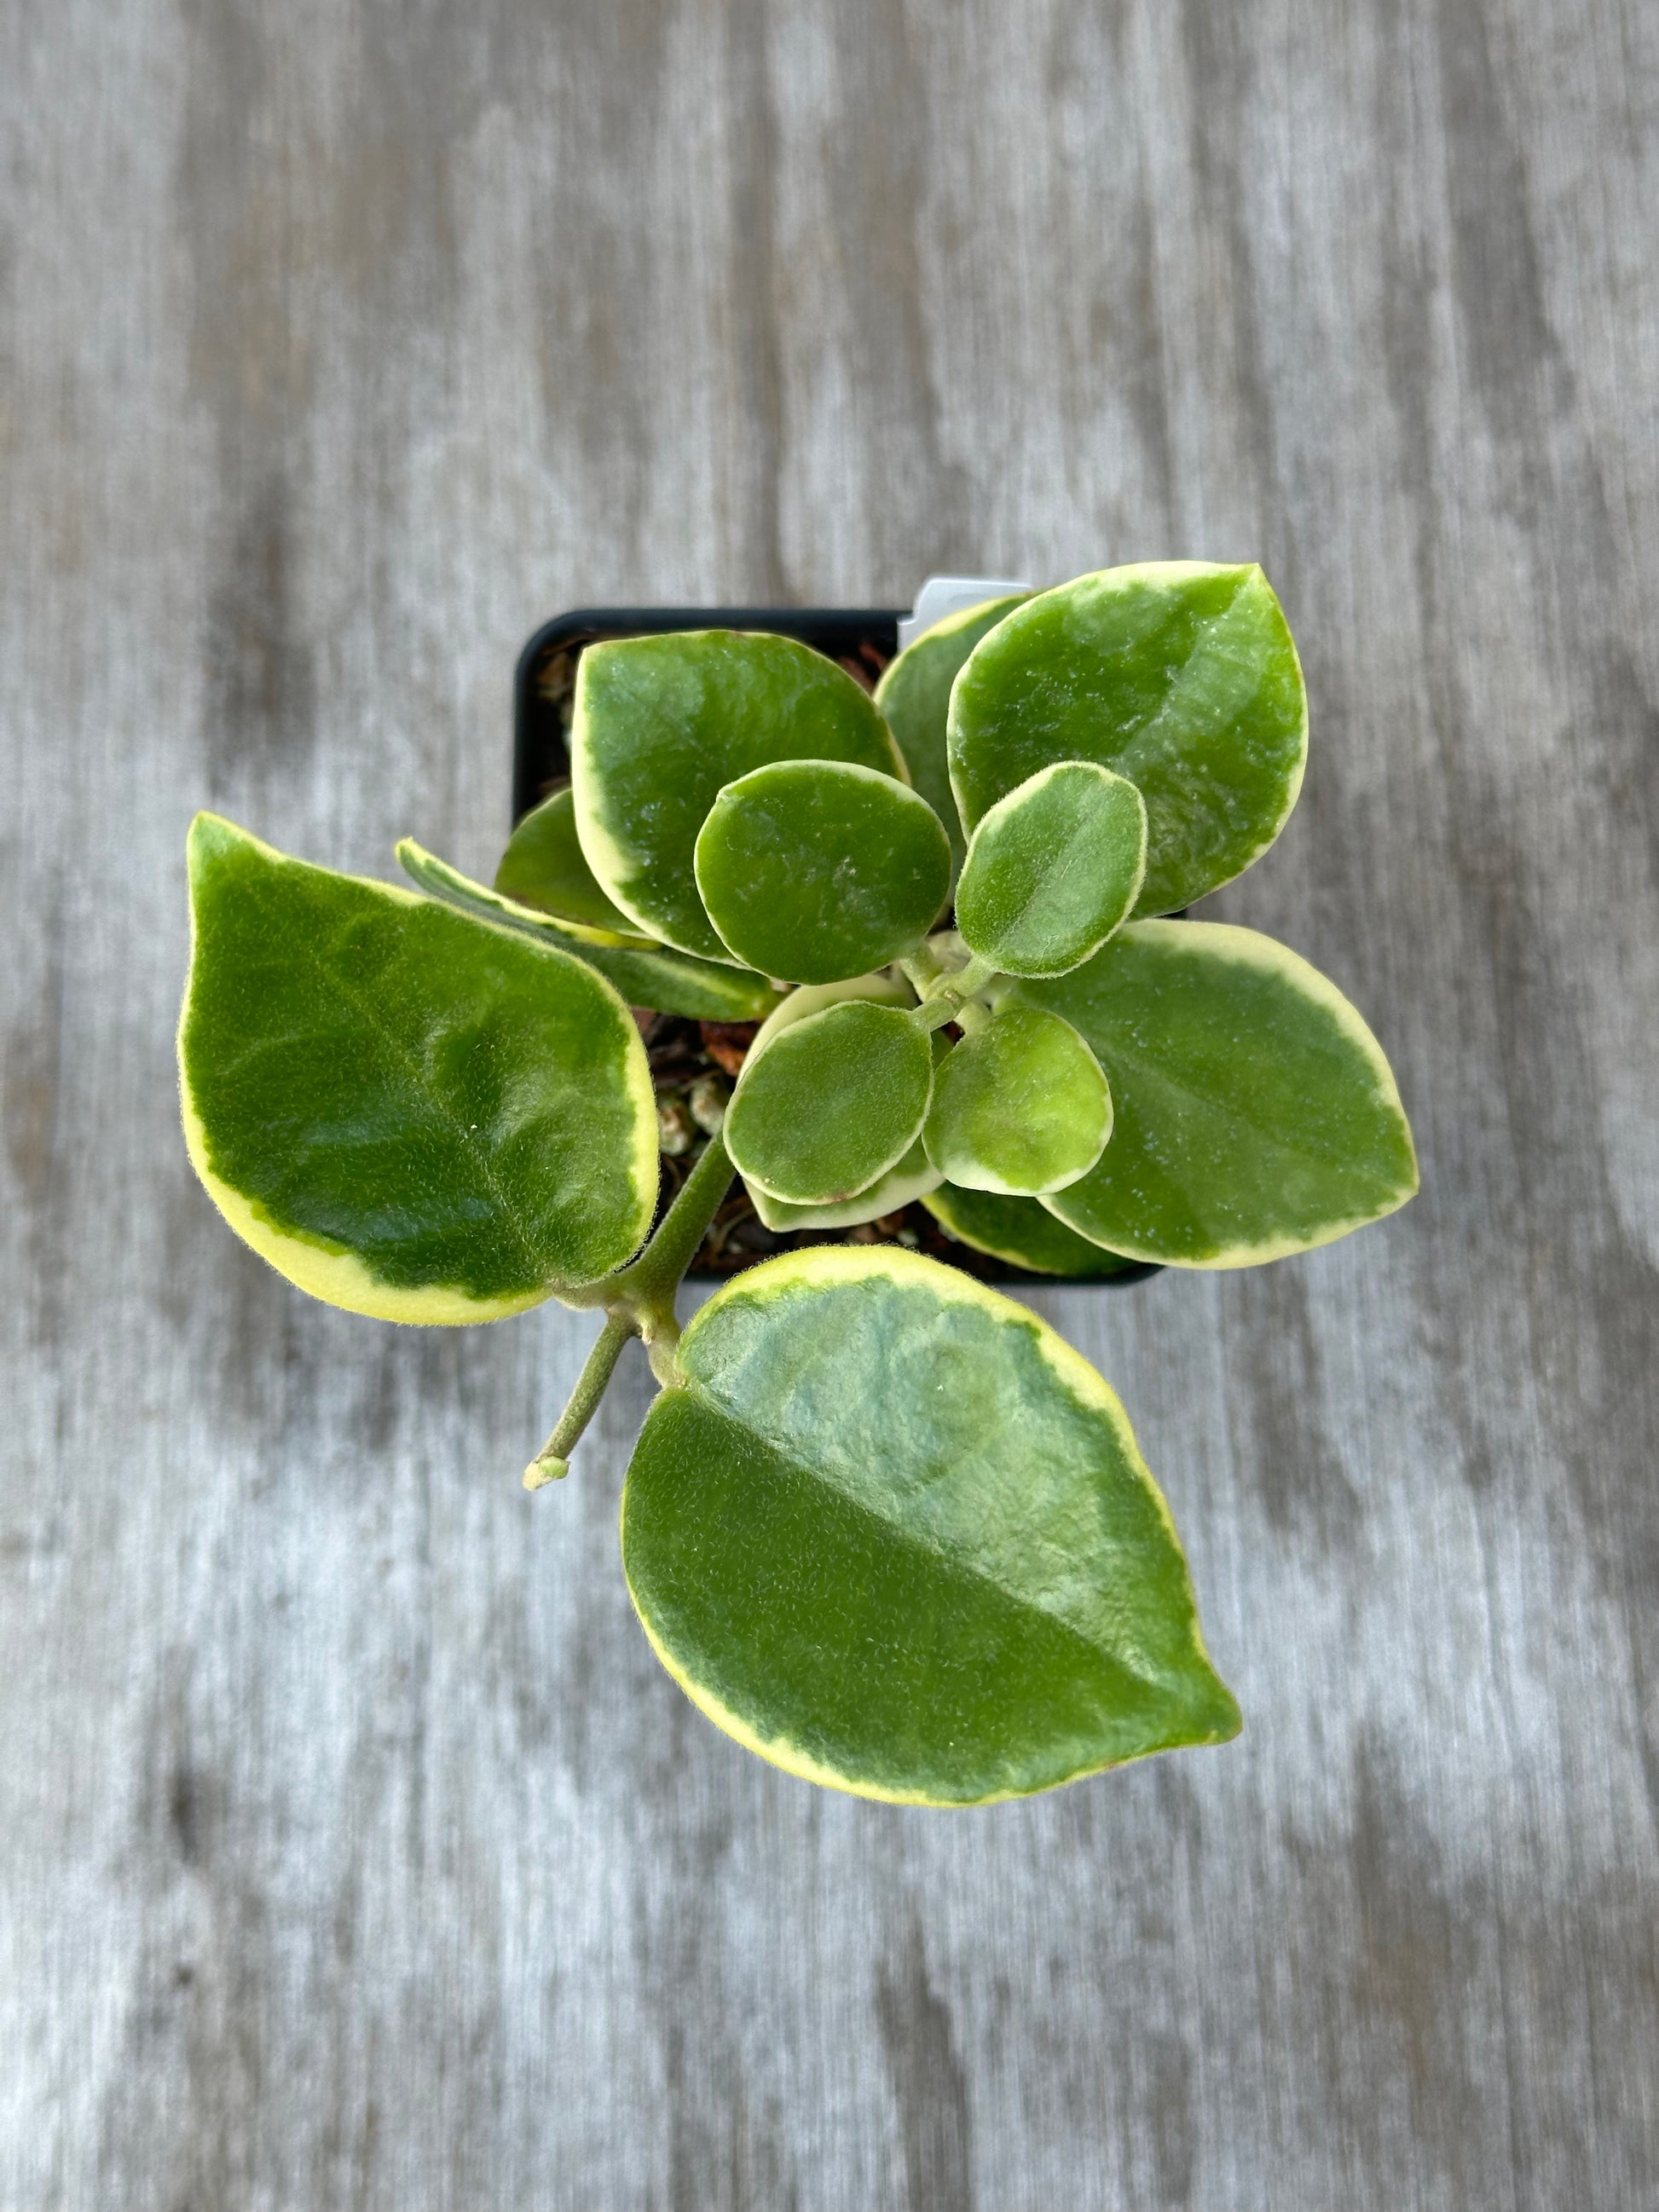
x=1021, y=1231
x=1180, y=676
x=544, y=866
x=407, y=1113
x=661, y=724
x=1053, y=869
x=663, y=981
x=915, y=696
x=815, y=871
x=1256, y=1115
x=1020, y=1106
x=894, y=1535
x=833, y=1101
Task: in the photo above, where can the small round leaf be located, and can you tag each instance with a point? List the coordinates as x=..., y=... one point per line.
x=1020, y=1106
x=894, y=1535
x=815, y=871
x=544, y=866
x=1053, y=869
x=831, y=1103
x=660, y=724
x=915, y=1176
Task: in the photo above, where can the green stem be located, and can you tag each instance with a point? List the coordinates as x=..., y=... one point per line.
x=639, y=1301
x=553, y=1460
x=921, y=970
x=649, y=1284
x=947, y=995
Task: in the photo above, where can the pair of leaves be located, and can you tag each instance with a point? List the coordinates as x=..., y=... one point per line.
x=851, y=1100
x=736, y=798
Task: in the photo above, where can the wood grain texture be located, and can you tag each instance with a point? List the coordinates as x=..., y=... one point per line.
x=354, y=1850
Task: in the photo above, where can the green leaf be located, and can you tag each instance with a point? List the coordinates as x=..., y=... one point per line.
x=662, y=724
x=831, y=1102
x=408, y=1114
x=1256, y=1115
x=914, y=1177
x=1053, y=869
x=665, y=982
x=1020, y=1230
x=895, y=1535
x=819, y=870
x=1177, y=674
x=915, y=696
x=1019, y=1106
x=544, y=868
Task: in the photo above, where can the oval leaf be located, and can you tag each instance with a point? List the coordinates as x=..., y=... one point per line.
x=1177, y=674
x=1256, y=1115
x=544, y=866
x=1022, y=1231
x=662, y=982
x=661, y=724
x=831, y=1103
x=407, y=1113
x=894, y=1535
x=1019, y=1106
x=914, y=696
x=1053, y=869
x=816, y=871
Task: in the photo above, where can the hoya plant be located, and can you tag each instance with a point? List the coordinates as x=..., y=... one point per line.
x=882, y=1524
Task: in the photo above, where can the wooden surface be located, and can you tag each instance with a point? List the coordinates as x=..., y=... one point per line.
x=354, y=1850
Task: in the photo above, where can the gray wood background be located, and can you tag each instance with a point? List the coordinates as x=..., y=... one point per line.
x=354, y=1850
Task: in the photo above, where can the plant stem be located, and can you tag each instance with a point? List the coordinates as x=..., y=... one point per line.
x=921, y=970
x=553, y=1460
x=639, y=1301
x=947, y=994
x=648, y=1284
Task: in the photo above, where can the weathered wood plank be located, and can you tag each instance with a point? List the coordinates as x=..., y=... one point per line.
x=354, y=1849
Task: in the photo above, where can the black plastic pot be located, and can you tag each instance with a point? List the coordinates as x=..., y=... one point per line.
x=863, y=640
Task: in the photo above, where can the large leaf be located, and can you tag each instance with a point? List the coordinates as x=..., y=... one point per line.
x=1019, y=1106
x=894, y=1535
x=1256, y=1115
x=1053, y=869
x=407, y=1113
x=544, y=866
x=1177, y=674
x=830, y=1103
x=915, y=696
x=665, y=982
x=662, y=723
x=819, y=870
x=1020, y=1230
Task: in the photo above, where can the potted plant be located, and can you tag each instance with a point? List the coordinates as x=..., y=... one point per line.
x=882, y=1524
